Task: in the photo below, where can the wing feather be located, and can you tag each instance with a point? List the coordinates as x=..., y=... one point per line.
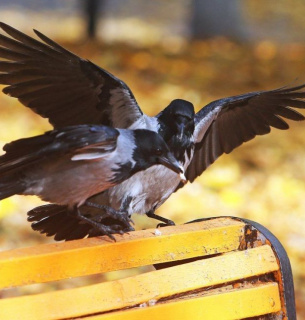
x=55, y=83
x=225, y=124
x=75, y=141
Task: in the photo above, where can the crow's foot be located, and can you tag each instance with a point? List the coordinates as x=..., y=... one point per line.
x=166, y=222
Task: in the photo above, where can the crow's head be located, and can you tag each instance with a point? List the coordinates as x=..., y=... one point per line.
x=177, y=119
x=150, y=149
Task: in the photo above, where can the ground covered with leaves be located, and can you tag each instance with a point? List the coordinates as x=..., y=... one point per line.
x=263, y=180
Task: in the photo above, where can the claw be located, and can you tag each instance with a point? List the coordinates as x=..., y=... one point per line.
x=112, y=213
x=103, y=229
x=161, y=225
x=166, y=222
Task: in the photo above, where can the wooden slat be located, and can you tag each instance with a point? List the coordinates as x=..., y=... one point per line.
x=95, y=255
x=237, y=304
x=142, y=288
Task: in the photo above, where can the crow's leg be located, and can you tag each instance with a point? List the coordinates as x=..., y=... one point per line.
x=167, y=222
x=99, y=227
x=124, y=206
x=112, y=213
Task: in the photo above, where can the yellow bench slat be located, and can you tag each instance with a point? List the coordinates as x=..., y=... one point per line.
x=96, y=255
x=141, y=288
x=237, y=304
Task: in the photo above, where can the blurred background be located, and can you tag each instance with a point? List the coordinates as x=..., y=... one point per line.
x=195, y=50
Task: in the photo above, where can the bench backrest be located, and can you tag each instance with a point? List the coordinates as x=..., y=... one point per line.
x=219, y=268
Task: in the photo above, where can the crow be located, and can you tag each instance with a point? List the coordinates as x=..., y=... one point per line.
x=67, y=166
x=69, y=90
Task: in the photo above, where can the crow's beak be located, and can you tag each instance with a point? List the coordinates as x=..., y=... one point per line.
x=171, y=163
x=181, y=129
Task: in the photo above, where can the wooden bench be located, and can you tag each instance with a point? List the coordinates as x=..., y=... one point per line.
x=217, y=268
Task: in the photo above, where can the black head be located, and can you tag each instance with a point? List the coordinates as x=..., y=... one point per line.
x=151, y=149
x=177, y=119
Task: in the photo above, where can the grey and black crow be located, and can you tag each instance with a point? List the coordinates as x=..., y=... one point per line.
x=67, y=166
x=69, y=90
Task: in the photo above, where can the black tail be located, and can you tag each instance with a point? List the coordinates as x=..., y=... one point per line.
x=56, y=220
x=10, y=185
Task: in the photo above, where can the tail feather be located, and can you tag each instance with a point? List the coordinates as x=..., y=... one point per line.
x=56, y=220
x=9, y=186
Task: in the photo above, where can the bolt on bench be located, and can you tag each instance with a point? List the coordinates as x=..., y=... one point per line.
x=216, y=268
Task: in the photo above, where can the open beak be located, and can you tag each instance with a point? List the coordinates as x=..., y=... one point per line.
x=171, y=163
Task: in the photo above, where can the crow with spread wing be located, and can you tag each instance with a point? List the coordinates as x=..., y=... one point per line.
x=69, y=90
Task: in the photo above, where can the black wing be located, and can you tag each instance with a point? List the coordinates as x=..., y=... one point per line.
x=225, y=124
x=82, y=142
x=60, y=86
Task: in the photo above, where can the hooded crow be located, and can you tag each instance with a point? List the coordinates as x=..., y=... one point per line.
x=69, y=165
x=69, y=90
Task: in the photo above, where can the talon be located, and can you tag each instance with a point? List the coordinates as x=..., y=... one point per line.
x=166, y=222
x=111, y=237
x=110, y=212
x=161, y=225
x=103, y=229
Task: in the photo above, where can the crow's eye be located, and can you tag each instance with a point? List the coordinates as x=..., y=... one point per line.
x=158, y=152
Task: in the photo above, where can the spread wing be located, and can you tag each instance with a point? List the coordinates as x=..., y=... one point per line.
x=225, y=124
x=60, y=86
x=82, y=142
